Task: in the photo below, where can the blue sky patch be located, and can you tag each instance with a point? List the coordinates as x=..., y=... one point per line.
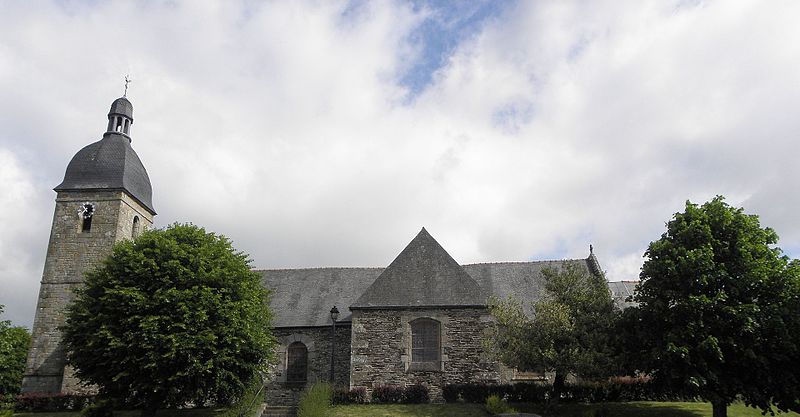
x=448, y=24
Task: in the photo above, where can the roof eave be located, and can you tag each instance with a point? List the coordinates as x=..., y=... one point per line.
x=59, y=189
x=420, y=307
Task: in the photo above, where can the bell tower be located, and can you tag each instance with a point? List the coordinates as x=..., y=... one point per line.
x=105, y=197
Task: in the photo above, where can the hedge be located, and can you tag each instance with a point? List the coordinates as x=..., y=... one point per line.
x=51, y=402
x=357, y=395
x=591, y=392
x=389, y=394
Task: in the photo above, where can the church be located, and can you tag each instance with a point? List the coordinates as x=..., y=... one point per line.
x=419, y=320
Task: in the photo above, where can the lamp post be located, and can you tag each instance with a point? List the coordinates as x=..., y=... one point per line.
x=334, y=316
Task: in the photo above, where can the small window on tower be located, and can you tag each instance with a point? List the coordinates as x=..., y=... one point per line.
x=86, y=212
x=135, y=230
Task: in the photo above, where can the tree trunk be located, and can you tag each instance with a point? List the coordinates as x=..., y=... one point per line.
x=558, y=386
x=720, y=408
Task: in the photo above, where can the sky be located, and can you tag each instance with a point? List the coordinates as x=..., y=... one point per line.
x=327, y=133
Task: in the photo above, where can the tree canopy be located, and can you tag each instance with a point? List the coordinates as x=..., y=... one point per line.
x=14, y=344
x=719, y=310
x=569, y=330
x=173, y=317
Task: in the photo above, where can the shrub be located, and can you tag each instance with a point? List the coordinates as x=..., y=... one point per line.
x=416, y=394
x=618, y=389
x=99, y=408
x=387, y=394
x=450, y=392
x=356, y=395
x=6, y=401
x=531, y=392
x=316, y=401
x=474, y=393
x=195, y=301
x=497, y=405
x=51, y=402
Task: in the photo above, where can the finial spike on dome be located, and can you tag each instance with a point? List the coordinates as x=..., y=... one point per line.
x=127, y=81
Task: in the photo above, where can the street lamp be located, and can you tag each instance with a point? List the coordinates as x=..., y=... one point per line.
x=334, y=316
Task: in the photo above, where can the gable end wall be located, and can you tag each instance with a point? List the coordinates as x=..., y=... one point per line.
x=381, y=349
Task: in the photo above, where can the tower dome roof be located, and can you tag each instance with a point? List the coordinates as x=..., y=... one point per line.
x=111, y=163
x=122, y=107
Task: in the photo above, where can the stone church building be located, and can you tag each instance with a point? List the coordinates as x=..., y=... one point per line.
x=420, y=319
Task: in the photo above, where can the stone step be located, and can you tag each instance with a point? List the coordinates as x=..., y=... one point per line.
x=279, y=411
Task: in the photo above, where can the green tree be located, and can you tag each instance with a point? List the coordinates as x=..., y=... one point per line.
x=719, y=310
x=569, y=332
x=14, y=344
x=173, y=317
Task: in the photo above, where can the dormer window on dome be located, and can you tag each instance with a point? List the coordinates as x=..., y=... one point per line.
x=120, y=117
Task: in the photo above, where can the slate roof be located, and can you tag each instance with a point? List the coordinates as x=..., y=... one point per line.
x=423, y=275
x=304, y=297
x=109, y=164
x=522, y=280
x=621, y=290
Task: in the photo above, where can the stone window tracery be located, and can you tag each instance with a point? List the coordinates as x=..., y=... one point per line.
x=425, y=341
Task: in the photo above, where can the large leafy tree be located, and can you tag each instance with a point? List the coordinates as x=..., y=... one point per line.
x=569, y=332
x=14, y=344
x=173, y=317
x=719, y=310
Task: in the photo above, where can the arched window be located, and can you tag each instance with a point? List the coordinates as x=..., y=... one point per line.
x=135, y=229
x=297, y=363
x=86, y=212
x=425, y=340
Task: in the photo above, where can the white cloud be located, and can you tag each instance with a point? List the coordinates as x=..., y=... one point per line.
x=24, y=233
x=285, y=125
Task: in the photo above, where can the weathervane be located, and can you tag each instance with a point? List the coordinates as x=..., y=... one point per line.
x=127, y=81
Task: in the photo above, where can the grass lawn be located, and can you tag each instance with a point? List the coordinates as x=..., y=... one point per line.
x=643, y=409
x=632, y=409
x=409, y=410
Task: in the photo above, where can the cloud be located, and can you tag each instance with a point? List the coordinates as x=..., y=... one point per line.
x=298, y=129
x=24, y=239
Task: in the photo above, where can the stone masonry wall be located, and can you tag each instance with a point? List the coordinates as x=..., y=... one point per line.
x=381, y=349
x=70, y=253
x=318, y=343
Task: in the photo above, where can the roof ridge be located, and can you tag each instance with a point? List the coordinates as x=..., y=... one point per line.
x=527, y=262
x=317, y=268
